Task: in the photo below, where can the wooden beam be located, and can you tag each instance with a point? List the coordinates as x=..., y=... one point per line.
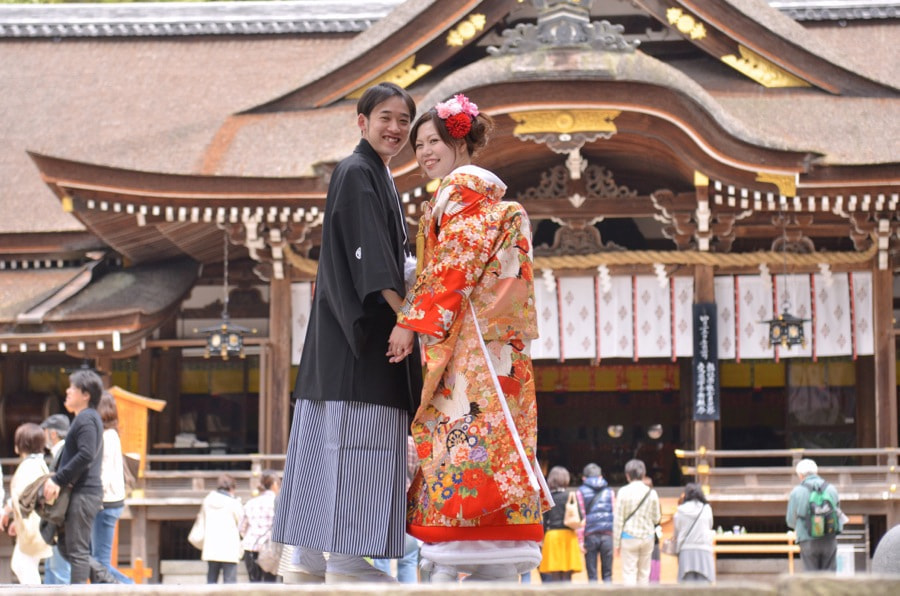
x=278, y=367
x=885, y=358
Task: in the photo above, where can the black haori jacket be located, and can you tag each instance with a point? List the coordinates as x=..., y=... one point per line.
x=362, y=253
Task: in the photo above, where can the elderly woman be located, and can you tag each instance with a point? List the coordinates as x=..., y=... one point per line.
x=693, y=536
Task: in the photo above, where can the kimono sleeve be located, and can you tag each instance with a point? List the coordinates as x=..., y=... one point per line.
x=454, y=268
x=363, y=235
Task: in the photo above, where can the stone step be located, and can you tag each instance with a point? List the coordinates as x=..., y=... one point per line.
x=190, y=571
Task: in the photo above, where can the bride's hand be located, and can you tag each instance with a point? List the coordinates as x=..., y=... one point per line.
x=400, y=344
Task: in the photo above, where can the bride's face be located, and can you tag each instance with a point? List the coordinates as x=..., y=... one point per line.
x=436, y=157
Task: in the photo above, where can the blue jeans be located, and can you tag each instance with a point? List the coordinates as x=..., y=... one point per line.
x=406, y=566
x=102, y=535
x=56, y=569
x=229, y=572
x=598, y=544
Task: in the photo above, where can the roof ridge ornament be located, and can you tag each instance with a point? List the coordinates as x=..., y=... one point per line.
x=564, y=24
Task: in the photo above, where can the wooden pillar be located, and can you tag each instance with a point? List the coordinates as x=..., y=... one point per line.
x=866, y=415
x=885, y=358
x=276, y=401
x=145, y=372
x=165, y=425
x=704, y=291
x=139, y=536
x=104, y=366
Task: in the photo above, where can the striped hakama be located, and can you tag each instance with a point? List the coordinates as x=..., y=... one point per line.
x=344, y=487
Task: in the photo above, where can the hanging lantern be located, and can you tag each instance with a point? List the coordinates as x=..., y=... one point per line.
x=786, y=330
x=225, y=339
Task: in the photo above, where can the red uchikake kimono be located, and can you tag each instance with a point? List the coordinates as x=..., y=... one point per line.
x=472, y=483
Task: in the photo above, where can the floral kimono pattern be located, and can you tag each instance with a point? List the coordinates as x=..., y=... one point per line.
x=472, y=483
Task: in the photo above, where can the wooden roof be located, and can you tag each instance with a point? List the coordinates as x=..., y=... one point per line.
x=223, y=150
x=90, y=310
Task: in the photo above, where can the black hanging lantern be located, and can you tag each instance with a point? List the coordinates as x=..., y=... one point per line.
x=786, y=330
x=225, y=339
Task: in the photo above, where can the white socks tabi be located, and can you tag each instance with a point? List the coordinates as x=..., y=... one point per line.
x=352, y=568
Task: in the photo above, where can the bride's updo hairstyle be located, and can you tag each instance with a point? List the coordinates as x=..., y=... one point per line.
x=455, y=120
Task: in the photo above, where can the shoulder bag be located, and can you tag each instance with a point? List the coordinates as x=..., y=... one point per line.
x=198, y=531
x=268, y=556
x=636, y=509
x=671, y=546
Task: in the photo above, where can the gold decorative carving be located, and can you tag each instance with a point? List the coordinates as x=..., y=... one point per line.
x=767, y=74
x=404, y=74
x=686, y=23
x=466, y=30
x=786, y=183
x=565, y=121
x=700, y=179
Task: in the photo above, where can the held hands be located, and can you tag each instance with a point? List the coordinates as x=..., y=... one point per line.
x=400, y=344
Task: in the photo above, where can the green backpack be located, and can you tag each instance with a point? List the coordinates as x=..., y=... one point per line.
x=822, y=518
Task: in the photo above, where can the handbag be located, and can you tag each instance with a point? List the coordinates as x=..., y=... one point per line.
x=572, y=518
x=269, y=556
x=55, y=512
x=669, y=546
x=198, y=531
x=130, y=471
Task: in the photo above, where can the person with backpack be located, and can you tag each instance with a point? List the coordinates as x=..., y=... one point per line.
x=595, y=497
x=814, y=513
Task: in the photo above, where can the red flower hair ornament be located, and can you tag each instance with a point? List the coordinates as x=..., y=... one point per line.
x=457, y=114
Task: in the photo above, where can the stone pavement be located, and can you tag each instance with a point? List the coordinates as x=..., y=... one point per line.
x=796, y=585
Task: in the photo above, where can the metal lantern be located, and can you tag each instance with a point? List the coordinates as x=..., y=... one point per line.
x=225, y=339
x=786, y=330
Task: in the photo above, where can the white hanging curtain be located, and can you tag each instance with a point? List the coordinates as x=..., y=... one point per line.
x=579, y=336
x=861, y=302
x=653, y=328
x=683, y=319
x=579, y=320
x=616, y=325
x=546, y=306
x=726, y=321
x=833, y=325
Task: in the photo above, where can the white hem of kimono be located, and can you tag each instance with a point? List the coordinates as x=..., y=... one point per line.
x=468, y=555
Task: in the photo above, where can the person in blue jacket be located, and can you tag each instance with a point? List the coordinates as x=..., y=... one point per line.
x=597, y=499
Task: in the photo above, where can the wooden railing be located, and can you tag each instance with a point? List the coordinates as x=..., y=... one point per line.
x=193, y=476
x=869, y=473
x=766, y=543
